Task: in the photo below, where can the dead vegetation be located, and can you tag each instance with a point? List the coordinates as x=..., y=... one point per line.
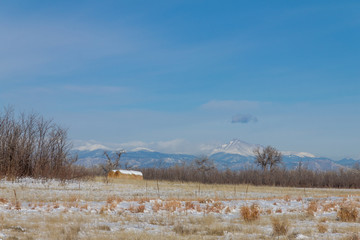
x=347, y=213
x=97, y=211
x=251, y=213
x=280, y=225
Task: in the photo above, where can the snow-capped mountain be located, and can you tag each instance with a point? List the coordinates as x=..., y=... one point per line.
x=234, y=155
x=236, y=146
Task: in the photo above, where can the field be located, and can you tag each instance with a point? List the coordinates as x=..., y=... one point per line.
x=131, y=209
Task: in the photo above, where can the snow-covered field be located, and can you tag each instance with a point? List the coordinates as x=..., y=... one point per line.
x=36, y=209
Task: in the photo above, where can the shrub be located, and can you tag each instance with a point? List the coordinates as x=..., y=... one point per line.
x=347, y=213
x=280, y=226
x=250, y=213
x=322, y=228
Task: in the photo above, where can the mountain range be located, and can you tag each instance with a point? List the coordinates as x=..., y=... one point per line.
x=234, y=155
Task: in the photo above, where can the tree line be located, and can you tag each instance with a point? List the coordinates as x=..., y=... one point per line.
x=202, y=170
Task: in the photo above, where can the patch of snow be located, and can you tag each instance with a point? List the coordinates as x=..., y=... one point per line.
x=298, y=154
x=2, y=236
x=300, y=236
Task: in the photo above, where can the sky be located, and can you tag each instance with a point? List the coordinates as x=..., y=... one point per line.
x=184, y=75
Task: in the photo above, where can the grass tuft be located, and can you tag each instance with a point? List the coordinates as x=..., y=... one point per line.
x=347, y=213
x=280, y=225
x=322, y=228
x=251, y=213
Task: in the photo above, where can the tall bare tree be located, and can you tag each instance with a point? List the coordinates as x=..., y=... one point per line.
x=267, y=158
x=112, y=162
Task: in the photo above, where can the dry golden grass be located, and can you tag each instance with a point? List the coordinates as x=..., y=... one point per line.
x=312, y=208
x=251, y=213
x=328, y=206
x=352, y=236
x=322, y=228
x=280, y=225
x=113, y=198
x=140, y=208
x=93, y=209
x=347, y=213
x=172, y=205
x=189, y=205
x=157, y=206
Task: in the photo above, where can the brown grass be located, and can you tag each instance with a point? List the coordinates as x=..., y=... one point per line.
x=189, y=205
x=353, y=236
x=140, y=208
x=312, y=208
x=280, y=225
x=172, y=205
x=322, y=228
x=287, y=198
x=347, y=213
x=251, y=213
x=157, y=206
x=327, y=207
x=113, y=198
x=216, y=207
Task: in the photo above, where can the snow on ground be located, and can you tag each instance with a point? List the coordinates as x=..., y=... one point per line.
x=40, y=209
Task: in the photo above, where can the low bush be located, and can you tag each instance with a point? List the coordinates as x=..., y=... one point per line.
x=347, y=213
x=251, y=213
x=280, y=226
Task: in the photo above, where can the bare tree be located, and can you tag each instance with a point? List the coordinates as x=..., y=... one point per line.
x=112, y=162
x=203, y=166
x=267, y=158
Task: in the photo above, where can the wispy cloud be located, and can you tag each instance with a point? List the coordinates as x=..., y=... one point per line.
x=57, y=46
x=94, y=89
x=229, y=105
x=244, y=118
x=170, y=146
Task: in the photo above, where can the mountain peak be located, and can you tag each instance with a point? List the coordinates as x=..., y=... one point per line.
x=237, y=146
x=92, y=147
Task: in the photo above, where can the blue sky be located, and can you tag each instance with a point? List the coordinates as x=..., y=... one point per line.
x=187, y=73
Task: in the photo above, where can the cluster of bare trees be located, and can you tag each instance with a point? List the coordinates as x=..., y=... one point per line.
x=33, y=146
x=299, y=177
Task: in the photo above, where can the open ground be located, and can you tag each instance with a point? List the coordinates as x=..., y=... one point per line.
x=131, y=209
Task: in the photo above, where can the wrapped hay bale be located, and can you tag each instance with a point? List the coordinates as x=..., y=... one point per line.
x=125, y=174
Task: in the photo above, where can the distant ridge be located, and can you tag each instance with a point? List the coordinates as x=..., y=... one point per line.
x=235, y=155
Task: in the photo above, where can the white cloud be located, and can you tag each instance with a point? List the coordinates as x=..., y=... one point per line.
x=170, y=146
